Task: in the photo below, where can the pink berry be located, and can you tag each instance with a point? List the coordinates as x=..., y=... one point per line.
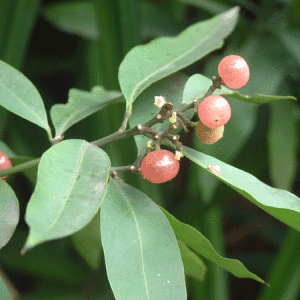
x=5, y=163
x=215, y=169
x=234, y=71
x=214, y=111
x=160, y=166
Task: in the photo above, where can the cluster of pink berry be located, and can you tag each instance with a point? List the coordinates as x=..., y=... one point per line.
x=214, y=112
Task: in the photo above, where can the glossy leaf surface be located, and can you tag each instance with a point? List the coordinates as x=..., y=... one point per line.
x=9, y=213
x=196, y=241
x=281, y=204
x=146, y=64
x=80, y=105
x=140, y=249
x=19, y=95
x=71, y=184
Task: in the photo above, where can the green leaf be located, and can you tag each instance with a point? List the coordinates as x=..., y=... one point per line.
x=196, y=241
x=76, y=17
x=140, y=249
x=19, y=95
x=258, y=98
x=146, y=64
x=79, y=17
x=9, y=213
x=210, y=6
x=283, y=141
x=291, y=41
x=281, y=204
x=193, y=265
x=80, y=105
x=198, y=84
x=4, y=292
x=72, y=178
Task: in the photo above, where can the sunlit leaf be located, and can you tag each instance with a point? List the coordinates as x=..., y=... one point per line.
x=19, y=95
x=281, y=204
x=196, y=241
x=80, y=105
x=141, y=253
x=146, y=64
x=71, y=184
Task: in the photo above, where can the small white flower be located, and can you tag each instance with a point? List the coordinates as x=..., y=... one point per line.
x=178, y=155
x=159, y=101
x=149, y=145
x=173, y=118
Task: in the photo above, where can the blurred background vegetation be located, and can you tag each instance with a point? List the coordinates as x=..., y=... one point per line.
x=60, y=45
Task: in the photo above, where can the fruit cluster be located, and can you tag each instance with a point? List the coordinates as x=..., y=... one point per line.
x=214, y=112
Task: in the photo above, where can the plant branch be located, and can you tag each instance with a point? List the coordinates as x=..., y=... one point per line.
x=20, y=167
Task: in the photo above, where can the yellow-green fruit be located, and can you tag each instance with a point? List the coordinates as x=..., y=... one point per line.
x=209, y=135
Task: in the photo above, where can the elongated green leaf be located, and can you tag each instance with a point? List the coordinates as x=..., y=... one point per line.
x=283, y=141
x=198, y=84
x=76, y=17
x=72, y=177
x=291, y=41
x=284, y=276
x=258, y=98
x=19, y=95
x=80, y=105
x=4, y=292
x=211, y=6
x=196, y=241
x=9, y=213
x=146, y=64
x=23, y=15
x=140, y=249
x=281, y=204
x=193, y=265
x=79, y=17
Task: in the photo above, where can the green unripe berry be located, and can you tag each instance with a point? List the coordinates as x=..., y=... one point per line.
x=209, y=135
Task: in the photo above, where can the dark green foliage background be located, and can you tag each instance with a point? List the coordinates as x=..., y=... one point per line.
x=267, y=36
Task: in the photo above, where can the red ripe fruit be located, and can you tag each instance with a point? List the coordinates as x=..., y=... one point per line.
x=160, y=166
x=214, y=111
x=234, y=71
x=5, y=163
